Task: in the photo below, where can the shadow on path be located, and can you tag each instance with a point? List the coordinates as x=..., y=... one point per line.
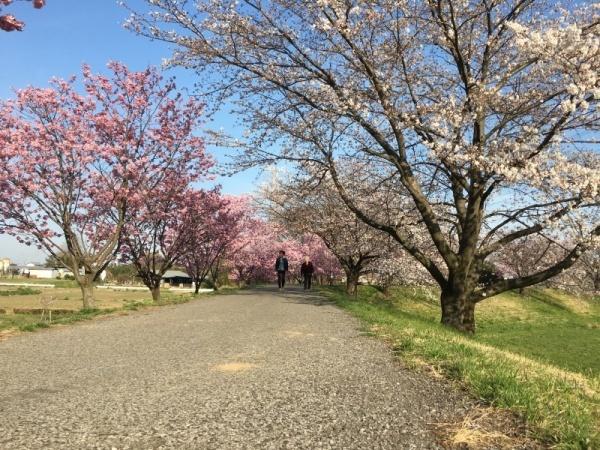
x=291, y=294
x=298, y=295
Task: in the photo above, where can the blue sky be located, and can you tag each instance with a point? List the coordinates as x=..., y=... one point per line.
x=58, y=39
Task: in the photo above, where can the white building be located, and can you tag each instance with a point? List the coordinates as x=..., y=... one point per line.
x=4, y=265
x=46, y=272
x=33, y=270
x=42, y=272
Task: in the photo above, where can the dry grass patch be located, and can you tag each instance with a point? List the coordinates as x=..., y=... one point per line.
x=31, y=312
x=486, y=428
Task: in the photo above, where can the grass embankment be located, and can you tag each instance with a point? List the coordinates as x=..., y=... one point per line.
x=68, y=301
x=536, y=354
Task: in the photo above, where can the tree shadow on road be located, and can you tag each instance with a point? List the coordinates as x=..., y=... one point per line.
x=300, y=296
x=291, y=294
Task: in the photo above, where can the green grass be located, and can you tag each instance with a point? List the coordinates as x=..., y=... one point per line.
x=554, y=334
x=32, y=322
x=536, y=354
x=20, y=291
x=56, y=283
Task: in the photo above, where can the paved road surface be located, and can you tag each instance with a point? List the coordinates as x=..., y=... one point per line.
x=255, y=370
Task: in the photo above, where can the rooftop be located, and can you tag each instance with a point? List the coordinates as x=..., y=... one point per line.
x=175, y=273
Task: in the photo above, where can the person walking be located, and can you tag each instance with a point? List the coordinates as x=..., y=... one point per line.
x=306, y=271
x=281, y=267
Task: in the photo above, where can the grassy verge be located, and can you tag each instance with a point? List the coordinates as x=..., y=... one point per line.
x=32, y=322
x=536, y=354
x=55, y=282
x=19, y=291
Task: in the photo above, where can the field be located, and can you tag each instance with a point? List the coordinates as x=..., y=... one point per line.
x=67, y=299
x=536, y=354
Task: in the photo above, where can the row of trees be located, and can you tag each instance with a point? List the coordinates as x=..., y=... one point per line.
x=303, y=204
x=107, y=173
x=248, y=258
x=458, y=129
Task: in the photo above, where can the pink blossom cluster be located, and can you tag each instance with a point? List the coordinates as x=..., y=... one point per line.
x=8, y=22
x=253, y=253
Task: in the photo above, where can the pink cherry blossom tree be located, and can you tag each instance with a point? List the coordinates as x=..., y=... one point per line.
x=253, y=253
x=483, y=114
x=72, y=164
x=165, y=227
x=327, y=267
x=251, y=256
x=304, y=207
x=8, y=22
x=223, y=220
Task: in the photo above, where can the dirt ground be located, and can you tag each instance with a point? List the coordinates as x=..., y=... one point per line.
x=69, y=298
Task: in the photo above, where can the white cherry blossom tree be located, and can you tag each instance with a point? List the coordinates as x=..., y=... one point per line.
x=483, y=112
x=302, y=207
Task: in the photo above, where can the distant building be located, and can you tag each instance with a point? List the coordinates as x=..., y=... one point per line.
x=15, y=269
x=40, y=272
x=4, y=265
x=176, y=278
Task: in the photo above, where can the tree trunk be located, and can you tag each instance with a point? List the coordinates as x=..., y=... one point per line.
x=214, y=274
x=386, y=289
x=352, y=282
x=87, y=290
x=155, y=293
x=458, y=312
x=214, y=282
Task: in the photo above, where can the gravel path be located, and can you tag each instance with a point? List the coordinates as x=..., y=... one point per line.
x=255, y=370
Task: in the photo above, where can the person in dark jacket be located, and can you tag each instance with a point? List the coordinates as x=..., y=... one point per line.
x=281, y=267
x=306, y=271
